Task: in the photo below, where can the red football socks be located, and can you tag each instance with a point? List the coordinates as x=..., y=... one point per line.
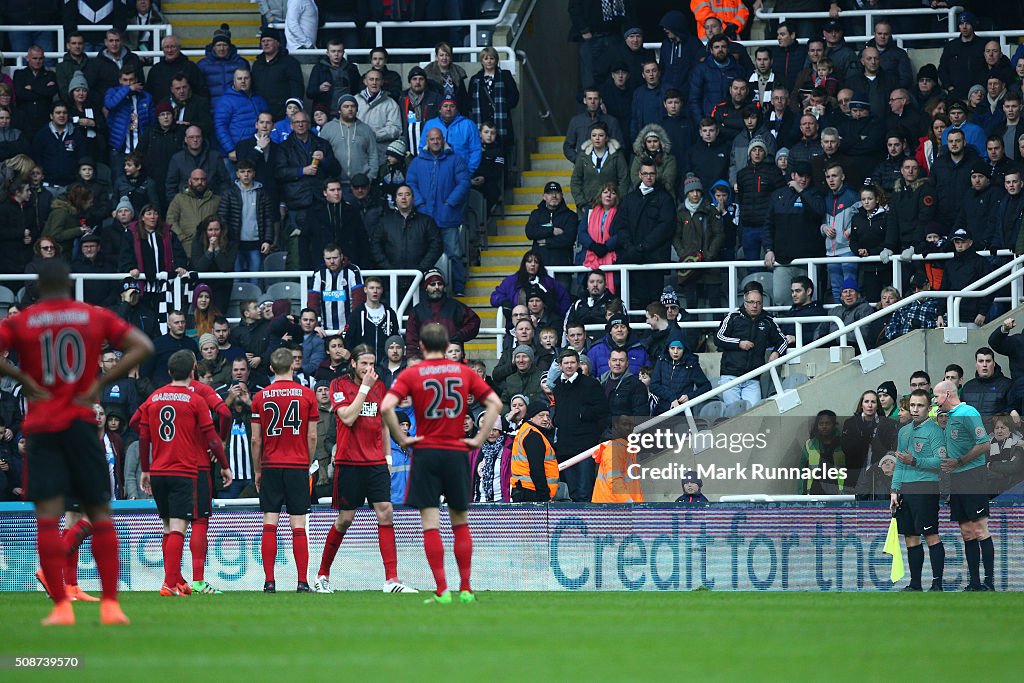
x=463, y=554
x=386, y=541
x=435, y=557
x=71, y=567
x=300, y=549
x=73, y=538
x=268, y=548
x=51, y=557
x=173, y=547
x=197, y=544
x=104, y=549
x=331, y=545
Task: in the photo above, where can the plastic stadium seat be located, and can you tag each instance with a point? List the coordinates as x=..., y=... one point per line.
x=241, y=291
x=712, y=410
x=737, y=408
x=285, y=290
x=793, y=381
x=764, y=279
x=6, y=300
x=275, y=261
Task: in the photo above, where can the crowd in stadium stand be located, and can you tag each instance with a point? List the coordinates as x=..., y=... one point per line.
x=701, y=151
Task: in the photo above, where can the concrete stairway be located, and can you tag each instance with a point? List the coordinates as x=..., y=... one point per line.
x=505, y=250
x=195, y=22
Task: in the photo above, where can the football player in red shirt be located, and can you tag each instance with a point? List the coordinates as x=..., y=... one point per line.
x=283, y=441
x=361, y=467
x=176, y=424
x=440, y=463
x=197, y=543
x=59, y=342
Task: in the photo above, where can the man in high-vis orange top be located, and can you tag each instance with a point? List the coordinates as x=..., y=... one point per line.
x=613, y=484
x=732, y=13
x=534, y=466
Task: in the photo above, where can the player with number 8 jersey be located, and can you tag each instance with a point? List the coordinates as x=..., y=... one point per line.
x=283, y=441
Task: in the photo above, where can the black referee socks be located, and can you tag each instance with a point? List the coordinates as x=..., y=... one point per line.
x=937, y=556
x=988, y=559
x=972, y=550
x=915, y=558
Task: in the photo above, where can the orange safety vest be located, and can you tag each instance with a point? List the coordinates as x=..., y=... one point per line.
x=521, y=466
x=613, y=483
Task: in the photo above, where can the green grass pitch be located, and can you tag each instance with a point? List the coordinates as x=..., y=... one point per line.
x=621, y=637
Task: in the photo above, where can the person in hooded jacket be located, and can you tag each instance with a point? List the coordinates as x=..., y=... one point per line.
x=677, y=377
x=680, y=52
x=965, y=268
x=652, y=142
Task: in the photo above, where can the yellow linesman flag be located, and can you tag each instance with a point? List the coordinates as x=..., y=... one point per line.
x=893, y=547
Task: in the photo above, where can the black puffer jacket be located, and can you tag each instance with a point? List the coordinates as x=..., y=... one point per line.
x=301, y=191
x=990, y=395
x=959, y=272
x=406, y=242
x=911, y=207
x=756, y=185
x=869, y=231
x=555, y=250
x=793, y=224
x=230, y=211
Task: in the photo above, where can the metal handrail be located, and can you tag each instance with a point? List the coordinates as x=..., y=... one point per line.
x=547, y=114
x=772, y=366
x=868, y=14
x=158, y=29
x=410, y=298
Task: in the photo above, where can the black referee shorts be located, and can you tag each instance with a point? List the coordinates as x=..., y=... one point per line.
x=175, y=496
x=433, y=472
x=204, y=494
x=968, y=497
x=67, y=463
x=285, y=487
x=356, y=484
x=918, y=513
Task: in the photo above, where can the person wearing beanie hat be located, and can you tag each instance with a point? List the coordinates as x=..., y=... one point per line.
x=392, y=361
x=782, y=160
x=206, y=338
x=398, y=149
x=618, y=336
x=699, y=236
x=853, y=307
x=888, y=399
x=962, y=57
x=276, y=75
x=220, y=62
x=692, y=485
x=534, y=476
x=78, y=81
x=757, y=181
x=527, y=376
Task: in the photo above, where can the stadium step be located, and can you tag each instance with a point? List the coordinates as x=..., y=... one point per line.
x=549, y=162
x=551, y=144
x=195, y=22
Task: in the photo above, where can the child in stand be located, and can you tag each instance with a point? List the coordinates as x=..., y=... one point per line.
x=824, y=77
x=548, y=338
x=320, y=118
x=692, y=485
x=283, y=128
x=722, y=199
x=399, y=464
x=392, y=172
x=489, y=176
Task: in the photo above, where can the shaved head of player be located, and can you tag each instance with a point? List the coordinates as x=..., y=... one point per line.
x=440, y=391
x=360, y=467
x=59, y=343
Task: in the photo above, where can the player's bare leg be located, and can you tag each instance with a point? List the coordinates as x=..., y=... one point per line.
x=174, y=545
x=268, y=550
x=300, y=551
x=77, y=528
x=51, y=560
x=430, y=519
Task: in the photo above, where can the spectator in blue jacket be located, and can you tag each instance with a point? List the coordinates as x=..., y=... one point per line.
x=459, y=133
x=130, y=114
x=235, y=114
x=618, y=336
x=710, y=81
x=677, y=378
x=220, y=62
x=439, y=180
x=647, y=99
